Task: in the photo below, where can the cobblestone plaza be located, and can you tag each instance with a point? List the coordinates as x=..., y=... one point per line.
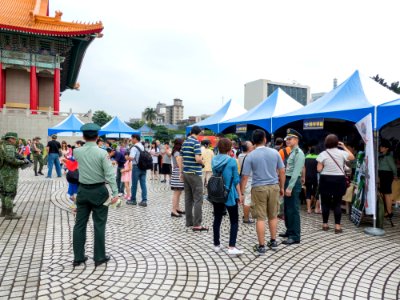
x=155, y=257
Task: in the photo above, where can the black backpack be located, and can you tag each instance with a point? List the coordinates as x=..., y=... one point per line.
x=217, y=193
x=145, y=160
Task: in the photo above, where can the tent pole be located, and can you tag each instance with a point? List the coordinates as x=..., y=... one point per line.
x=374, y=230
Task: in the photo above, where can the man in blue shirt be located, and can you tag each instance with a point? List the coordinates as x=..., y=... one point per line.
x=120, y=160
x=192, y=172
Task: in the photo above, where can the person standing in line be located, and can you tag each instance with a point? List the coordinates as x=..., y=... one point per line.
x=192, y=171
x=94, y=170
x=120, y=160
x=291, y=201
x=155, y=153
x=227, y=166
x=37, y=150
x=166, y=163
x=387, y=173
x=53, y=154
x=207, y=155
x=264, y=164
x=126, y=176
x=332, y=183
x=9, y=165
x=177, y=185
x=311, y=179
x=247, y=147
x=137, y=174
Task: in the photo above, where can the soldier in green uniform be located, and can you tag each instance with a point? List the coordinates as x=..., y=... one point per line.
x=9, y=164
x=37, y=150
x=294, y=168
x=95, y=170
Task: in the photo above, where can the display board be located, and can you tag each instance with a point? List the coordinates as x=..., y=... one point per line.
x=358, y=201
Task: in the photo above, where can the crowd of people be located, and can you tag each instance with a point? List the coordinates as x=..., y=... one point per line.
x=266, y=181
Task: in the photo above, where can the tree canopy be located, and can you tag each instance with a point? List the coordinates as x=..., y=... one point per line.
x=394, y=86
x=150, y=114
x=100, y=117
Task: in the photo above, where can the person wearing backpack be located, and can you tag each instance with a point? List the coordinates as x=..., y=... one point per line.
x=138, y=171
x=227, y=166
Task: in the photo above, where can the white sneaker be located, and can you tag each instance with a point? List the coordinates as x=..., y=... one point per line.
x=234, y=252
x=217, y=248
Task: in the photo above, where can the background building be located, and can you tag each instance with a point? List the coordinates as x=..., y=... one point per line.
x=174, y=113
x=257, y=91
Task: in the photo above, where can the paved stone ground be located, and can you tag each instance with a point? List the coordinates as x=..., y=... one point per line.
x=155, y=257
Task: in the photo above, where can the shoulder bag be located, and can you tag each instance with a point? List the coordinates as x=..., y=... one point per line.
x=344, y=172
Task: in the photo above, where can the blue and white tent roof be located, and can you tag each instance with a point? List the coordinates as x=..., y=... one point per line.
x=115, y=125
x=70, y=125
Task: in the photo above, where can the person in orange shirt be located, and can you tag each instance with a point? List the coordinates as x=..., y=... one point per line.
x=284, y=151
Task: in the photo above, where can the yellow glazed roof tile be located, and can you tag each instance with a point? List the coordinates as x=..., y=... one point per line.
x=31, y=16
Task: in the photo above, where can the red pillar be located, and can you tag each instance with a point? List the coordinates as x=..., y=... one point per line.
x=33, y=91
x=1, y=87
x=56, y=104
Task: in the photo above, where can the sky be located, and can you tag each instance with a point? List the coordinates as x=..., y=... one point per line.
x=203, y=52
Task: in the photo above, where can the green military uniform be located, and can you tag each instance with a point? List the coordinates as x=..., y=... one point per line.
x=37, y=150
x=294, y=168
x=9, y=165
x=94, y=170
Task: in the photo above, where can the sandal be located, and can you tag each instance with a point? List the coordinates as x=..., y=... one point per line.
x=325, y=228
x=176, y=215
x=201, y=228
x=182, y=212
x=338, y=230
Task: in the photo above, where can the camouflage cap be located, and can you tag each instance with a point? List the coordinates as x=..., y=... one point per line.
x=54, y=136
x=11, y=135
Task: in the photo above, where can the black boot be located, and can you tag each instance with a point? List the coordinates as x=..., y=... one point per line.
x=40, y=172
x=36, y=173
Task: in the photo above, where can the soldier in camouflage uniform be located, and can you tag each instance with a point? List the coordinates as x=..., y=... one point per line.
x=9, y=165
x=37, y=150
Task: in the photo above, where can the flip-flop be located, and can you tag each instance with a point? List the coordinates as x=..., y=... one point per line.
x=202, y=228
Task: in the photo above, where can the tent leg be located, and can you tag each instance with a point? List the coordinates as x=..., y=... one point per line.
x=374, y=230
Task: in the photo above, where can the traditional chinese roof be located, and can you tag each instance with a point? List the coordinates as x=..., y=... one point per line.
x=32, y=16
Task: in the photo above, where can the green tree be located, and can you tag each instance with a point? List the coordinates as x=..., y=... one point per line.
x=150, y=114
x=100, y=117
x=163, y=134
x=136, y=125
x=394, y=86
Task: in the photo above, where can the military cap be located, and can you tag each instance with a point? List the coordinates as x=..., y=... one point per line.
x=90, y=129
x=54, y=136
x=11, y=135
x=292, y=133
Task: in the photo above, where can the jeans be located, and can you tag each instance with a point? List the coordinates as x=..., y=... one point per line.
x=120, y=185
x=233, y=212
x=53, y=159
x=193, y=199
x=138, y=175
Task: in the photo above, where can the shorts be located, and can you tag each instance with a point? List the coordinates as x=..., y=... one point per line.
x=385, y=182
x=247, y=193
x=265, y=202
x=311, y=189
x=166, y=169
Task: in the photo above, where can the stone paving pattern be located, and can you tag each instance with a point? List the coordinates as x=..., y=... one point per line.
x=155, y=257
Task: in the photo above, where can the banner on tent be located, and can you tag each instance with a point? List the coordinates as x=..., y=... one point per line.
x=364, y=127
x=241, y=128
x=313, y=124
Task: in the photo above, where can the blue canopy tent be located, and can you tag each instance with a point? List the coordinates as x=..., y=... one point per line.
x=388, y=112
x=352, y=100
x=276, y=104
x=117, y=128
x=228, y=111
x=70, y=125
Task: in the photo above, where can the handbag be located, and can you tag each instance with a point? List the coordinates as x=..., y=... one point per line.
x=347, y=178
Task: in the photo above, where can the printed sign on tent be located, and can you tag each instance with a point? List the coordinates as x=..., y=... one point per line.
x=313, y=124
x=241, y=128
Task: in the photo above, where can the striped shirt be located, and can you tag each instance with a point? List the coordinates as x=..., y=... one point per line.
x=191, y=148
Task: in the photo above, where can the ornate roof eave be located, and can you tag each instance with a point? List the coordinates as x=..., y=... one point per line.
x=96, y=31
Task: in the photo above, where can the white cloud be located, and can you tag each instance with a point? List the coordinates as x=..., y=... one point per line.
x=202, y=51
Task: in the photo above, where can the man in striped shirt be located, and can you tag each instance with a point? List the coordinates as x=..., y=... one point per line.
x=192, y=172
